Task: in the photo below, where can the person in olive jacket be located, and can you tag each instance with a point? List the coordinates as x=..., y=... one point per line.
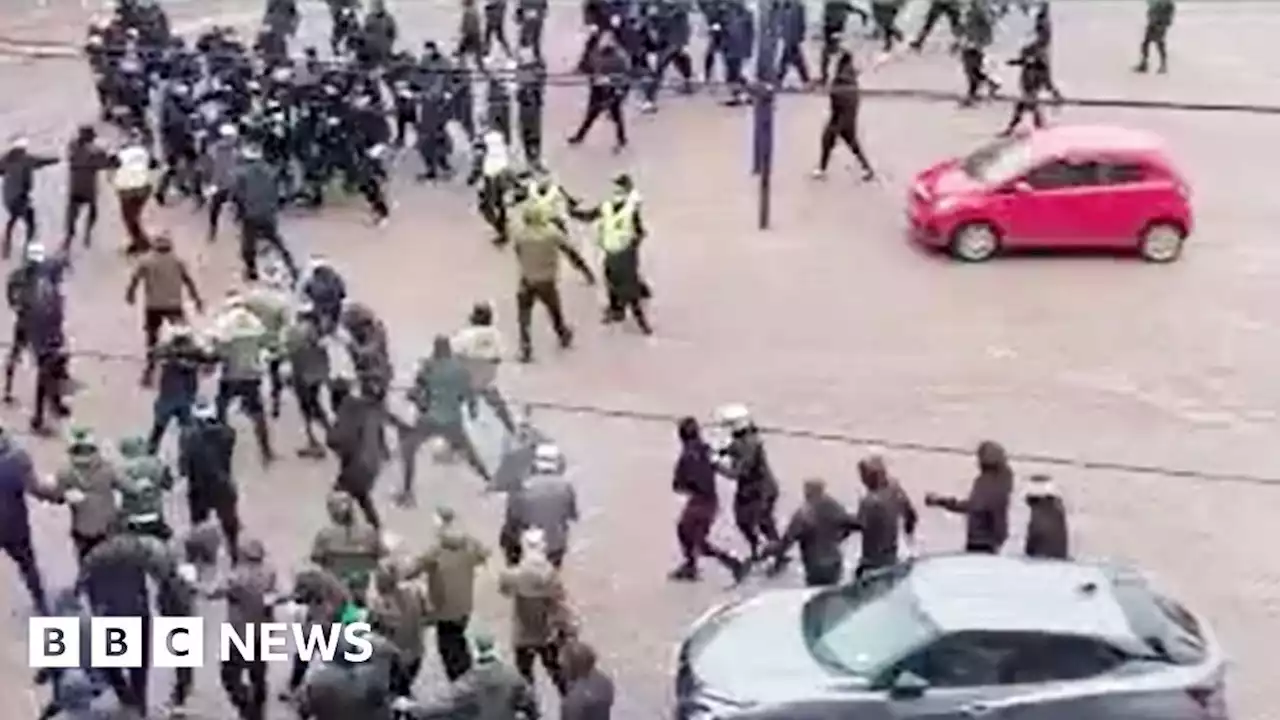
x=986, y=509
x=1047, y=534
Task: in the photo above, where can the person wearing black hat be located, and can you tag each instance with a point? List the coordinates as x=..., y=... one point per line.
x=619, y=231
x=85, y=161
x=608, y=74
x=18, y=167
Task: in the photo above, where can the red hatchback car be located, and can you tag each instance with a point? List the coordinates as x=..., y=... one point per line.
x=1077, y=187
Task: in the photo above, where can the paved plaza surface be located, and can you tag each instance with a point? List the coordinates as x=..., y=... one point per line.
x=829, y=323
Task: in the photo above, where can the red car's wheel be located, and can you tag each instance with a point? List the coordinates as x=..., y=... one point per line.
x=975, y=242
x=1161, y=242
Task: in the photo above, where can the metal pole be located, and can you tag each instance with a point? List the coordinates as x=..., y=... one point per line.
x=765, y=107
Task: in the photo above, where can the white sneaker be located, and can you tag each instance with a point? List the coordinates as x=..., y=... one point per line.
x=819, y=174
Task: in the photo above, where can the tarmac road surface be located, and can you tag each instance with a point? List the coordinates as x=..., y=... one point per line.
x=829, y=322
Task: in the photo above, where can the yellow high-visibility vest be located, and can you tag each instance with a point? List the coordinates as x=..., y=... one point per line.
x=616, y=226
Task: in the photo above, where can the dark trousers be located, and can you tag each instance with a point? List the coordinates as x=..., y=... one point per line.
x=309, y=406
x=793, y=59
x=152, y=320
x=75, y=205
x=216, y=203
x=245, y=683
x=130, y=685
x=20, y=210
x=24, y=556
x=677, y=57
x=359, y=488
x=51, y=378
x=693, y=531
x=1154, y=37
x=451, y=643
x=886, y=19
x=822, y=576
x=973, y=61
x=164, y=411
x=938, y=9
x=252, y=233
x=847, y=133
x=831, y=37
x=603, y=102
x=548, y=295
x=19, y=344
x=549, y=654
x=1026, y=105
x=530, y=34
x=222, y=503
x=403, y=675
x=249, y=394
x=132, y=203
x=183, y=678
x=495, y=30
x=84, y=544
x=414, y=435
x=755, y=520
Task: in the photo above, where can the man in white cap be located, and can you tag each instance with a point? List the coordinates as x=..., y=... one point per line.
x=18, y=166
x=546, y=502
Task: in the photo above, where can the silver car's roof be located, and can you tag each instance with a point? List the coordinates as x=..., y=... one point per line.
x=1014, y=594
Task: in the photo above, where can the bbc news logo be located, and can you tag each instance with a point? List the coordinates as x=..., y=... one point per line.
x=179, y=642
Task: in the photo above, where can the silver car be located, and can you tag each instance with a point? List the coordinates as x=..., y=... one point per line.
x=955, y=637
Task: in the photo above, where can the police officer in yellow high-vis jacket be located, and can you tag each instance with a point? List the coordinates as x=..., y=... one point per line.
x=619, y=231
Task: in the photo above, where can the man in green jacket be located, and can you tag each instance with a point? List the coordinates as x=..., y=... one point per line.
x=145, y=480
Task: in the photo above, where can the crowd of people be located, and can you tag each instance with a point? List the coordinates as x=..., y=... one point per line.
x=247, y=126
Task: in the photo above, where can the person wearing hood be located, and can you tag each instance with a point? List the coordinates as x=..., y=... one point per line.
x=820, y=526
x=88, y=485
x=205, y=450
x=250, y=593
x=327, y=291
x=163, y=277
x=986, y=509
x=18, y=167
x=221, y=163
x=17, y=480
x=309, y=370
x=479, y=346
x=541, y=240
x=367, y=344
x=114, y=576
x=344, y=690
x=346, y=547
x=34, y=293
x=745, y=462
x=695, y=479
x=842, y=122
x=356, y=438
x=398, y=612
x=1047, y=533
x=541, y=618
x=442, y=392
x=491, y=689
x=86, y=160
x=450, y=566
x=620, y=230
x=181, y=361
x=134, y=168
x=884, y=512
x=591, y=692
x=145, y=478
x=240, y=342
x=547, y=502
x=255, y=192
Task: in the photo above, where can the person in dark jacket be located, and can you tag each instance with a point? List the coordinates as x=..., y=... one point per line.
x=491, y=689
x=1035, y=78
x=1159, y=19
x=790, y=18
x=835, y=20
x=114, y=576
x=18, y=166
x=166, y=282
x=1047, y=534
x=309, y=371
x=250, y=593
x=695, y=479
x=205, y=451
x=883, y=511
x=256, y=195
x=356, y=439
x=608, y=81
x=986, y=509
x=820, y=526
x=181, y=361
x=34, y=293
x=74, y=689
x=842, y=123
x=17, y=478
x=590, y=692
x=326, y=290
x=86, y=160
x=746, y=463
